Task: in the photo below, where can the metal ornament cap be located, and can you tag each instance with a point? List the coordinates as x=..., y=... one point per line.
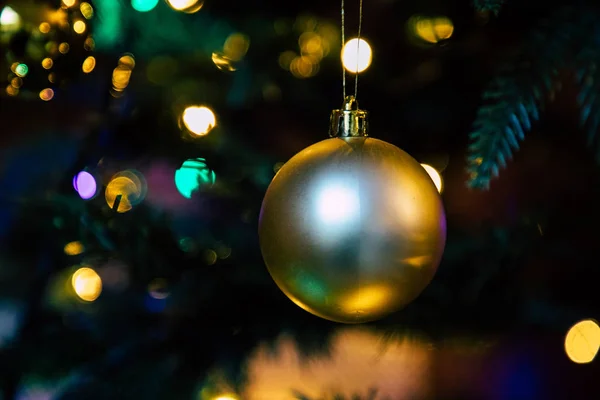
x=350, y=121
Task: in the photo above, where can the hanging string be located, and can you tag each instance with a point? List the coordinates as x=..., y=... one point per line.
x=343, y=43
x=360, y=18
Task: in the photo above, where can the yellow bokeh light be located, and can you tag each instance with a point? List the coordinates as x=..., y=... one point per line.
x=187, y=6
x=583, y=341
x=11, y=90
x=125, y=188
x=47, y=63
x=435, y=176
x=63, y=48
x=236, y=46
x=74, y=248
x=87, y=284
x=304, y=67
x=127, y=60
x=286, y=58
x=199, y=120
x=88, y=65
x=79, y=27
x=16, y=82
x=47, y=94
x=89, y=44
x=431, y=30
x=68, y=3
x=44, y=27
x=86, y=10
x=52, y=77
x=223, y=62
x=121, y=77
x=356, y=55
x=227, y=397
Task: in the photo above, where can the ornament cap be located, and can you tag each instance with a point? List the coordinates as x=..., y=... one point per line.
x=349, y=121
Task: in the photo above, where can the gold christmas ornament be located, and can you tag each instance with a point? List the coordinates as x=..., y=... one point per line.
x=352, y=228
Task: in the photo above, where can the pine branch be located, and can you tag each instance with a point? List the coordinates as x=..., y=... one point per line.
x=588, y=80
x=514, y=98
x=493, y=6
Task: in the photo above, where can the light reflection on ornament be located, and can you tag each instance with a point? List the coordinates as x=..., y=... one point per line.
x=435, y=177
x=337, y=203
x=85, y=184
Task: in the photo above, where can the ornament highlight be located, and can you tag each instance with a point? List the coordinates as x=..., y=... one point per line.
x=352, y=228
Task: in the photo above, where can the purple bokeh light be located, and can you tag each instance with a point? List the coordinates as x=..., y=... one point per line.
x=85, y=184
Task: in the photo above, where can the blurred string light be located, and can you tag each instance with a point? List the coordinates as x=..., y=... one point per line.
x=87, y=10
x=47, y=94
x=199, y=120
x=85, y=185
x=314, y=43
x=235, y=48
x=21, y=70
x=88, y=65
x=193, y=175
x=583, y=341
x=47, y=63
x=44, y=27
x=430, y=29
x=435, y=176
x=144, y=5
x=10, y=20
x=87, y=284
x=122, y=74
x=69, y=3
x=186, y=6
x=128, y=187
x=356, y=55
x=74, y=248
x=79, y=27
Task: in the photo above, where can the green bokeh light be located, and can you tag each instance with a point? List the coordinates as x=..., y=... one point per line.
x=143, y=5
x=22, y=70
x=193, y=175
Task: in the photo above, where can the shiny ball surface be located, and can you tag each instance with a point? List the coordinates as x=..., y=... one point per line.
x=352, y=229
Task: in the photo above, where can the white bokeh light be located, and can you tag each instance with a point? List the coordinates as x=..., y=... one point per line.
x=357, y=55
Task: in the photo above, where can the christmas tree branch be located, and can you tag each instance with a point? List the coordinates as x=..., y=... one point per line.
x=493, y=6
x=513, y=99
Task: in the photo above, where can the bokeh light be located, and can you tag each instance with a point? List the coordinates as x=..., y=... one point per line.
x=79, y=27
x=143, y=5
x=21, y=70
x=192, y=176
x=236, y=46
x=435, y=176
x=44, y=27
x=84, y=183
x=199, y=120
x=127, y=186
x=47, y=63
x=430, y=29
x=74, y=248
x=356, y=55
x=47, y=94
x=10, y=21
x=64, y=48
x=68, y=3
x=227, y=397
x=186, y=6
x=87, y=284
x=88, y=65
x=583, y=341
x=87, y=10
